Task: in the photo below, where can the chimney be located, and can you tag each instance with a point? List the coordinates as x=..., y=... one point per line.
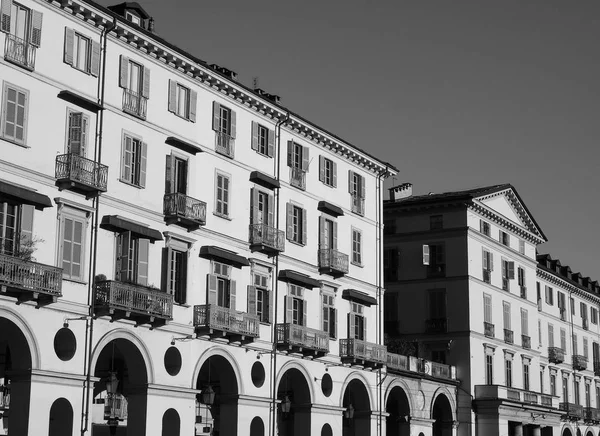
x=401, y=191
x=151, y=25
x=272, y=97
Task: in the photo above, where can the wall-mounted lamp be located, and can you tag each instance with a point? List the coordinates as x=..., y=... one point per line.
x=81, y=318
x=286, y=405
x=537, y=415
x=349, y=412
x=260, y=353
x=184, y=338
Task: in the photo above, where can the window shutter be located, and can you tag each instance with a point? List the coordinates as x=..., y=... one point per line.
x=321, y=169
x=351, y=181
x=550, y=335
x=504, y=272
x=211, y=288
x=511, y=270
x=143, y=254
x=124, y=72
x=304, y=227
x=425, y=254
x=487, y=308
x=289, y=212
x=254, y=143
x=304, y=316
x=485, y=260
x=289, y=309
x=270, y=207
x=546, y=294
x=506, y=312
x=524, y=322
x=290, y=153
x=170, y=174
x=143, y=161
x=322, y=240
x=253, y=206
x=334, y=239
x=270, y=142
x=305, y=158
x=193, y=105
x=325, y=319
x=232, y=295
x=27, y=212
x=334, y=171
x=334, y=314
x=36, y=28
x=362, y=187
x=95, y=61
x=172, y=96
x=351, y=326
x=165, y=270
x=146, y=84
x=5, y=9
x=216, y=115
x=75, y=128
x=69, y=45
x=84, y=130
x=251, y=300
x=127, y=153
x=491, y=261
x=232, y=130
x=123, y=261
x=364, y=328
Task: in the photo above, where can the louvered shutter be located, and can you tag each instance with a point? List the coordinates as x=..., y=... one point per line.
x=232, y=130
x=325, y=319
x=304, y=313
x=125, y=242
x=290, y=153
x=511, y=270
x=84, y=130
x=172, y=96
x=364, y=328
x=504, y=268
x=550, y=335
x=491, y=261
x=142, y=266
x=334, y=313
x=425, y=254
x=486, y=264
x=232, y=295
x=193, y=105
x=75, y=129
x=289, y=309
x=362, y=187
x=524, y=322
x=165, y=266
x=270, y=142
x=124, y=72
x=269, y=308
x=95, y=61
x=182, y=282
x=322, y=239
x=321, y=169
x=251, y=300
x=304, y=227
x=506, y=313
x=334, y=228
x=270, y=208
x=253, y=206
x=69, y=45
x=334, y=174
x=305, y=158
x=127, y=153
x=146, y=84
x=351, y=181
x=254, y=142
x=26, y=235
x=487, y=308
x=170, y=174
x=289, y=212
x=143, y=162
x=351, y=326
x=211, y=289
x=36, y=28
x=216, y=116
x=5, y=9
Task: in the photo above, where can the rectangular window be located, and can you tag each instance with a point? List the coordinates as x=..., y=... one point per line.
x=576, y=391
x=575, y=347
x=521, y=281
x=73, y=225
x=133, y=161
x=329, y=314
x=508, y=273
x=436, y=222
x=549, y=296
x=594, y=316
x=489, y=369
x=504, y=238
x=540, y=332
x=327, y=171
x=221, y=288
x=524, y=322
x=222, y=195
x=488, y=265
x=357, y=190
x=572, y=302
x=583, y=310
x=434, y=256
x=521, y=246
x=262, y=297
x=298, y=161
x=357, y=326
x=484, y=227
x=585, y=347
x=542, y=380
x=262, y=139
x=77, y=133
x=295, y=306
x=587, y=395
x=182, y=101
x=16, y=229
x=553, y=384
x=563, y=340
x=82, y=52
x=176, y=270
x=14, y=114
x=506, y=315
x=526, y=376
x=508, y=372
x=224, y=125
x=550, y=335
x=487, y=308
x=391, y=264
x=296, y=224
x=132, y=258
x=356, y=247
x=437, y=306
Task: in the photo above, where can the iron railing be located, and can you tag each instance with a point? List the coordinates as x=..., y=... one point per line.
x=539, y=304
x=75, y=168
x=358, y=204
x=591, y=414
x=436, y=325
x=298, y=177
x=397, y=362
x=579, y=362
x=225, y=144
x=301, y=336
x=525, y=341
x=134, y=103
x=357, y=349
x=19, y=51
x=571, y=410
x=523, y=292
x=269, y=236
x=115, y=407
x=333, y=259
x=514, y=394
x=546, y=400
x=226, y=320
x=530, y=397
x=556, y=355
x=176, y=205
x=508, y=336
x=24, y=274
x=488, y=329
x=135, y=298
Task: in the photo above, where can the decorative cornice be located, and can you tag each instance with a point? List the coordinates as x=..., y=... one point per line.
x=557, y=280
x=501, y=220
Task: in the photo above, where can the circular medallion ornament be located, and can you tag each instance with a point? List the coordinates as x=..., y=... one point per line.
x=420, y=400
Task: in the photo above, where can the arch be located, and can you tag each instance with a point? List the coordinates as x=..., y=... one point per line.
x=218, y=351
x=121, y=333
x=257, y=427
x=442, y=415
x=356, y=402
x=295, y=393
x=578, y=433
x=171, y=423
x=22, y=324
x=397, y=382
x=397, y=407
x=589, y=432
x=326, y=430
x=356, y=375
x=61, y=418
x=295, y=365
x=567, y=431
x=443, y=391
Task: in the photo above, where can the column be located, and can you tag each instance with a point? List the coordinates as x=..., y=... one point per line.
x=518, y=429
x=536, y=431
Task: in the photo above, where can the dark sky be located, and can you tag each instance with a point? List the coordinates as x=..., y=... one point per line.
x=456, y=94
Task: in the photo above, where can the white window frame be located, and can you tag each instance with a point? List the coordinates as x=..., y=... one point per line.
x=17, y=89
x=88, y=52
x=222, y=205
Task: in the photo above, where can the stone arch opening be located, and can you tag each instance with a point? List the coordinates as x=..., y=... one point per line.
x=567, y=432
x=357, y=409
x=589, y=433
x=171, y=423
x=121, y=393
x=217, y=375
x=442, y=414
x=293, y=412
x=578, y=432
x=61, y=418
x=398, y=408
x=326, y=430
x=15, y=391
x=257, y=427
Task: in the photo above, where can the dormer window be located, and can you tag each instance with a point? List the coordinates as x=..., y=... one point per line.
x=133, y=18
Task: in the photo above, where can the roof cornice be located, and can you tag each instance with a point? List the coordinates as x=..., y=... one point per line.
x=493, y=216
x=557, y=280
x=196, y=69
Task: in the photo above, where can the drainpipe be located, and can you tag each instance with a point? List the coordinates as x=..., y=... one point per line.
x=94, y=250
x=277, y=170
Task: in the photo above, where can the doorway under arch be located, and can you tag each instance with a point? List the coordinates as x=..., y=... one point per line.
x=257, y=427
x=398, y=408
x=357, y=410
x=442, y=415
x=567, y=432
x=171, y=423
x=61, y=418
x=293, y=412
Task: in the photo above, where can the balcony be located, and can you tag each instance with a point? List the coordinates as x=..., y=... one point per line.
x=563, y=314
x=300, y=339
x=591, y=414
x=488, y=329
x=266, y=239
x=139, y=303
x=585, y=324
x=597, y=368
x=497, y=392
x=526, y=342
x=523, y=292
x=358, y=205
x=508, y=336
x=546, y=400
x=134, y=104
x=363, y=353
x=436, y=325
x=397, y=362
x=19, y=52
x=505, y=284
x=184, y=211
x=487, y=276
x=579, y=362
x=115, y=408
x=217, y=321
x=225, y=144
x=298, y=178
x=27, y=280
x=79, y=174
x=539, y=304
x=571, y=411
x=556, y=355
x=332, y=262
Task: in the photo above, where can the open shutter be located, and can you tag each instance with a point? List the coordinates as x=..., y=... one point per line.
x=304, y=227
x=289, y=212
x=305, y=159
x=251, y=300
x=351, y=326
x=363, y=188
x=232, y=130
x=182, y=276
x=322, y=239
x=165, y=282
x=95, y=61
x=216, y=116
x=211, y=289
x=254, y=143
x=253, y=206
x=270, y=142
x=334, y=174
x=172, y=96
x=304, y=315
x=27, y=212
x=232, y=295
x=364, y=328
x=170, y=174
x=491, y=261
x=351, y=181
x=84, y=130
x=193, y=105
x=425, y=254
x=511, y=270
x=334, y=236
x=289, y=309
x=290, y=153
x=146, y=84
x=325, y=320
x=69, y=45
x=75, y=129
x=270, y=207
x=485, y=258
x=126, y=155
x=124, y=72
x=125, y=242
x=143, y=255
x=5, y=9
x=321, y=169
x=143, y=162
x=334, y=314
x=550, y=335
x=36, y=28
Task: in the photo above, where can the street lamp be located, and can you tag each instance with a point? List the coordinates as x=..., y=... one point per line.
x=349, y=412
x=111, y=391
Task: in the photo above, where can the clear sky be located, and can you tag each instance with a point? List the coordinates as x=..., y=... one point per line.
x=456, y=94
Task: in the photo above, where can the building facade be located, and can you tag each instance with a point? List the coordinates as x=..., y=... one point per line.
x=518, y=327
x=181, y=254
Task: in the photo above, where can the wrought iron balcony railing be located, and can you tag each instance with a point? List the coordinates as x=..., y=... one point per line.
x=539, y=304
x=523, y=292
x=487, y=276
x=436, y=325
x=77, y=171
x=333, y=261
x=591, y=414
x=370, y=353
x=225, y=144
x=187, y=211
x=579, y=362
x=303, y=339
x=397, y=362
x=266, y=237
x=115, y=407
x=298, y=177
x=485, y=392
x=488, y=329
x=508, y=336
x=358, y=205
x=228, y=321
x=526, y=341
x=585, y=324
x=556, y=355
x=19, y=52
x=134, y=103
x=571, y=410
x=23, y=276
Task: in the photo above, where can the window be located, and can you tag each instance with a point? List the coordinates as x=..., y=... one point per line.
x=594, y=316
x=329, y=312
x=550, y=335
x=357, y=326
x=356, y=247
x=521, y=281
x=508, y=273
x=487, y=308
x=506, y=315
x=259, y=294
x=540, y=332
x=391, y=264
x=526, y=374
x=575, y=348
x=296, y=224
x=549, y=296
x=504, y=238
x=585, y=347
x=541, y=379
x=583, y=310
x=576, y=391
x=132, y=258
x=434, y=256
x=263, y=139
x=489, y=369
x=133, y=18
x=484, y=227
x=134, y=78
x=538, y=289
x=327, y=234
x=133, y=160
x=521, y=246
x=182, y=101
x=77, y=133
x=572, y=301
x=82, y=52
x=222, y=195
x=24, y=28
x=176, y=175
x=327, y=171
x=563, y=340
x=524, y=322
x=298, y=161
x=562, y=305
x=596, y=355
x=436, y=301
x=16, y=228
x=587, y=395
x=553, y=384
x=224, y=125
x=488, y=265
x=221, y=289
x=295, y=306
x=14, y=114
x=508, y=371
x=357, y=190
x=436, y=222
x=73, y=226
x=175, y=268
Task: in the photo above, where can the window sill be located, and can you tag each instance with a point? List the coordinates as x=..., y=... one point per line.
x=263, y=154
x=12, y=141
x=78, y=281
x=328, y=185
x=182, y=117
x=225, y=217
x=264, y=323
x=360, y=265
x=130, y=184
x=181, y=305
x=300, y=244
